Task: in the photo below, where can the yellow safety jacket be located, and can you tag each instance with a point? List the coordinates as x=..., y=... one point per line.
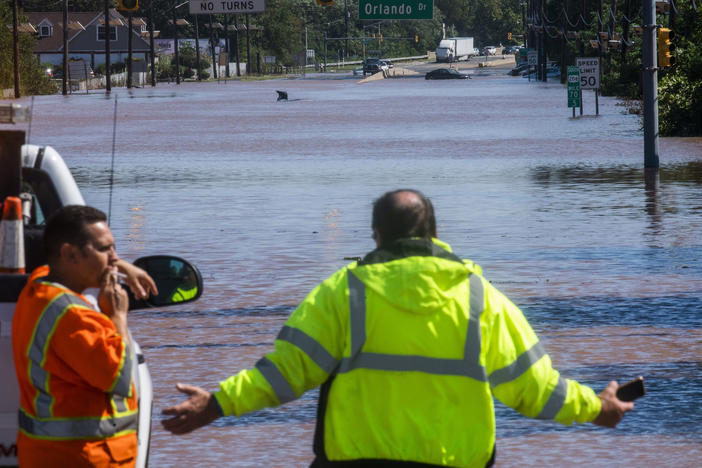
x=411, y=343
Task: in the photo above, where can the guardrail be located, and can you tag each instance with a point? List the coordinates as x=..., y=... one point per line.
x=360, y=62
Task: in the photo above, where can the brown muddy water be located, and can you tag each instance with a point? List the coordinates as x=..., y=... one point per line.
x=267, y=198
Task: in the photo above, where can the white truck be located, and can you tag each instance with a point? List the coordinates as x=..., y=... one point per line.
x=41, y=179
x=453, y=49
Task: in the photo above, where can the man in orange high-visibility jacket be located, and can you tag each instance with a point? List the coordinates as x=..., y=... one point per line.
x=78, y=404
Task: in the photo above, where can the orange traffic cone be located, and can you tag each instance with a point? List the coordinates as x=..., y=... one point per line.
x=11, y=237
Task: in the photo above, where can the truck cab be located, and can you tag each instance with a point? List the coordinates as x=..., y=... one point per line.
x=43, y=182
x=446, y=51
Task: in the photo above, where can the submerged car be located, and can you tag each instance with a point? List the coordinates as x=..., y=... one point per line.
x=445, y=74
x=374, y=65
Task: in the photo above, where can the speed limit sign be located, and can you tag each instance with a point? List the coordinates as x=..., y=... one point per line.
x=589, y=72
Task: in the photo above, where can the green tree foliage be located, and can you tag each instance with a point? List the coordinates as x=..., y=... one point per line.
x=287, y=26
x=33, y=76
x=188, y=59
x=680, y=93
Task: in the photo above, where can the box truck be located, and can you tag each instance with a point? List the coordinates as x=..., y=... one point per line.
x=454, y=49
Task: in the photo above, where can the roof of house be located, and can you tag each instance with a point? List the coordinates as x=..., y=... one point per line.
x=77, y=22
x=55, y=19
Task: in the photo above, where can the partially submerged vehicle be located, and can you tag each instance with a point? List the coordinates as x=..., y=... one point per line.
x=41, y=179
x=446, y=74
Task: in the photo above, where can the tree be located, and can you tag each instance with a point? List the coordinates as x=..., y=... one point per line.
x=33, y=77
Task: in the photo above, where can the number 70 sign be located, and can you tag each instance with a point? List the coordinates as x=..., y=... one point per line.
x=589, y=72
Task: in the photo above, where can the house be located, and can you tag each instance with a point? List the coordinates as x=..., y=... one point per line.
x=86, y=37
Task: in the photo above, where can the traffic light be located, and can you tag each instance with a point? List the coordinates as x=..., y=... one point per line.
x=416, y=39
x=665, y=47
x=128, y=5
x=509, y=36
x=325, y=2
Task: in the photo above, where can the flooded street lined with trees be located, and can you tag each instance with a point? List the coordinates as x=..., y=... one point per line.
x=269, y=197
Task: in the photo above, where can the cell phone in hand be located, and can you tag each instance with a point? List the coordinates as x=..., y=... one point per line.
x=632, y=390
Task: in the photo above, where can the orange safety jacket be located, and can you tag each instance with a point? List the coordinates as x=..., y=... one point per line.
x=75, y=376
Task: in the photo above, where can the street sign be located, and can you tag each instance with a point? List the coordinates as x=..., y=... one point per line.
x=532, y=57
x=573, y=86
x=395, y=9
x=589, y=72
x=206, y=7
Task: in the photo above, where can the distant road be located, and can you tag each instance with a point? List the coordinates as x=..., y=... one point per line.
x=495, y=63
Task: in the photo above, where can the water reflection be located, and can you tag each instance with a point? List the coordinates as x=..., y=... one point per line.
x=268, y=199
x=565, y=174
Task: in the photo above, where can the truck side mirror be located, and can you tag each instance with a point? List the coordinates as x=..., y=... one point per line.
x=177, y=280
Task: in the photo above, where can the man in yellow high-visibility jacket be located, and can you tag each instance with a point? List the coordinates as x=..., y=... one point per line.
x=409, y=345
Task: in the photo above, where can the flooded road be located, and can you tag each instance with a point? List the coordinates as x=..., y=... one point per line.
x=267, y=198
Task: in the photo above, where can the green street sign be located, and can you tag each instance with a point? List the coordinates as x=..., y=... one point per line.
x=395, y=9
x=573, y=86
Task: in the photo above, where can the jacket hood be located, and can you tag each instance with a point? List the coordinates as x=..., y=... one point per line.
x=414, y=275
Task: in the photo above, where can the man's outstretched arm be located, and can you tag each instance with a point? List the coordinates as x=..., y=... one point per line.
x=200, y=409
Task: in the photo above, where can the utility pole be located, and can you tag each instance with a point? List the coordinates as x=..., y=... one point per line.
x=175, y=40
x=650, y=85
x=151, y=42
x=564, y=16
x=227, y=44
x=541, y=76
x=582, y=18
x=108, y=72
x=129, y=49
x=347, y=14
x=522, y=4
x=15, y=49
x=248, y=47
x=599, y=30
x=236, y=46
x=64, y=90
x=212, y=49
x=197, y=50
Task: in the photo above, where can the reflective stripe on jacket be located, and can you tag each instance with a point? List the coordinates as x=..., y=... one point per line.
x=412, y=343
x=74, y=370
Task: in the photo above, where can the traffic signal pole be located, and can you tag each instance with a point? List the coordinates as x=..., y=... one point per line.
x=650, y=85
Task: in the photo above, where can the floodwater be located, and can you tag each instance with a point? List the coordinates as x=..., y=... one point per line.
x=267, y=198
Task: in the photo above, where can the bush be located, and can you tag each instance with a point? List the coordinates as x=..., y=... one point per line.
x=118, y=67
x=623, y=80
x=680, y=93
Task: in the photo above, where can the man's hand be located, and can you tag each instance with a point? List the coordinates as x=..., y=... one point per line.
x=114, y=302
x=112, y=298
x=139, y=281
x=613, y=409
x=198, y=410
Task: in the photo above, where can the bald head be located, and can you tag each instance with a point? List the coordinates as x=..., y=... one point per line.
x=401, y=214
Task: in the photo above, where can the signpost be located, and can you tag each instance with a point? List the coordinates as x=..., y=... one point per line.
x=532, y=57
x=395, y=9
x=589, y=72
x=573, y=87
x=590, y=77
x=206, y=7
x=532, y=60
